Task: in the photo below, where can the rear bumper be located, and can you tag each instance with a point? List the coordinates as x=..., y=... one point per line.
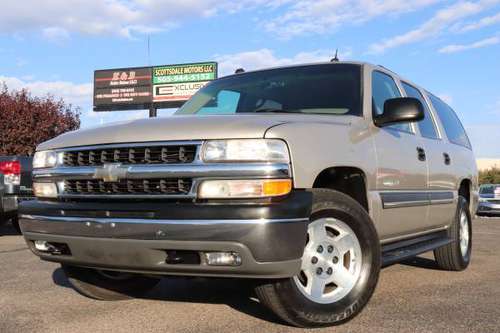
x=135, y=237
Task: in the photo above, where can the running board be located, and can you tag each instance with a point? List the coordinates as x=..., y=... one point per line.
x=409, y=248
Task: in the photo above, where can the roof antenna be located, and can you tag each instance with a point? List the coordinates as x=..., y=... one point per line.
x=239, y=70
x=336, y=58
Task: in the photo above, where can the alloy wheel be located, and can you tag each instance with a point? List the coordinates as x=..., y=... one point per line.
x=331, y=264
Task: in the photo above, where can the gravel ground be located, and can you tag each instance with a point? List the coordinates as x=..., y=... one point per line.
x=410, y=297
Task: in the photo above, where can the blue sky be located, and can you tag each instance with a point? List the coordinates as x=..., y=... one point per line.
x=452, y=48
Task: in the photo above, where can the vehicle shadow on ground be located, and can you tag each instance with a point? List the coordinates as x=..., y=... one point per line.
x=421, y=262
x=8, y=230
x=236, y=293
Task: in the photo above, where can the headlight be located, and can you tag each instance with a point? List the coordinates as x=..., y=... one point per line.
x=45, y=159
x=245, y=150
x=45, y=190
x=250, y=188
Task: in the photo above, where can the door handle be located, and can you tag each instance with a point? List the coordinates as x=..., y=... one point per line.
x=421, y=154
x=447, y=159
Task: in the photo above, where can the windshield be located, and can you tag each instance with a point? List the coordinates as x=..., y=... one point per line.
x=319, y=89
x=489, y=189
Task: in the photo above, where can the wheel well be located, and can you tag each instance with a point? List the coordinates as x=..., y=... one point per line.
x=464, y=189
x=348, y=180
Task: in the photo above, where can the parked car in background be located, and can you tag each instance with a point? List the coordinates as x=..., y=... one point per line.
x=16, y=186
x=489, y=200
x=307, y=178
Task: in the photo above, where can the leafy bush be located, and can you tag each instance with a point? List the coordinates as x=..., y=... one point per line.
x=26, y=121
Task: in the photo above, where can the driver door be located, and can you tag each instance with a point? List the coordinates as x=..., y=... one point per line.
x=401, y=173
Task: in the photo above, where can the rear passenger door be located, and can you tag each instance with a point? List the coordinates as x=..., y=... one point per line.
x=441, y=182
x=461, y=162
x=401, y=174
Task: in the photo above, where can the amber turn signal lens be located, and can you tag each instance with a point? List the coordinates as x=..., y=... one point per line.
x=273, y=188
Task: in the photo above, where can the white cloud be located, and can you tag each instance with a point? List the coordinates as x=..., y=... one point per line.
x=55, y=34
x=434, y=26
x=453, y=48
x=482, y=23
x=325, y=16
x=74, y=93
x=58, y=19
x=265, y=58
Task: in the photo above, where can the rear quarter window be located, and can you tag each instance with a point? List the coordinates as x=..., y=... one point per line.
x=452, y=125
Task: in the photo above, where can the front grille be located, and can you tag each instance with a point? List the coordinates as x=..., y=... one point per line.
x=168, y=154
x=495, y=201
x=168, y=186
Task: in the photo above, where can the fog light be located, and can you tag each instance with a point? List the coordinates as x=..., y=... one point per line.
x=43, y=246
x=45, y=190
x=223, y=258
x=51, y=247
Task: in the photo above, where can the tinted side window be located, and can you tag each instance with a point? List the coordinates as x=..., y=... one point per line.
x=426, y=126
x=384, y=88
x=452, y=126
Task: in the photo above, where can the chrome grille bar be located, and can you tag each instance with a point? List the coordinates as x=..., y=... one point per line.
x=194, y=170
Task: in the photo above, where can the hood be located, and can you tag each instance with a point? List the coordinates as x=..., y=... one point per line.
x=174, y=128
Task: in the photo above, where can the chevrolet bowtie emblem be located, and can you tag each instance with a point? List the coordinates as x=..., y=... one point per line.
x=111, y=172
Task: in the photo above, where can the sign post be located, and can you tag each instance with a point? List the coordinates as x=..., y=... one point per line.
x=152, y=111
x=150, y=88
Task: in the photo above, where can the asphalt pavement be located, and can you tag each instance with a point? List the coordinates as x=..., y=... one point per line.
x=412, y=297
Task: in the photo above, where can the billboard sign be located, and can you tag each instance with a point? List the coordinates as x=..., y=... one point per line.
x=177, y=83
x=146, y=87
x=122, y=88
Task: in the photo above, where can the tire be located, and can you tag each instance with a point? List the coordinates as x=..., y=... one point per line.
x=456, y=256
x=107, y=285
x=15, y=224
x=290, y=299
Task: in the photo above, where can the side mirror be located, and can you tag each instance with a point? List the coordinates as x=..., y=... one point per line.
x=400, y=110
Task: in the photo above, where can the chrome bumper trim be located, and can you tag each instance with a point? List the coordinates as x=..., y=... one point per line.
x=111, y=221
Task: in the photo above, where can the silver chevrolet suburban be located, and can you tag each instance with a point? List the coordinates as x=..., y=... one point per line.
x=307, y=179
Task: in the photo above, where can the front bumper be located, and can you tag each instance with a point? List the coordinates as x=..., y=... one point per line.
x=488, y=208
x=136, y=236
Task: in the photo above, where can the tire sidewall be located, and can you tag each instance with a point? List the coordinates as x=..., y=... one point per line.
x=463, y=207
x=350, y=212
